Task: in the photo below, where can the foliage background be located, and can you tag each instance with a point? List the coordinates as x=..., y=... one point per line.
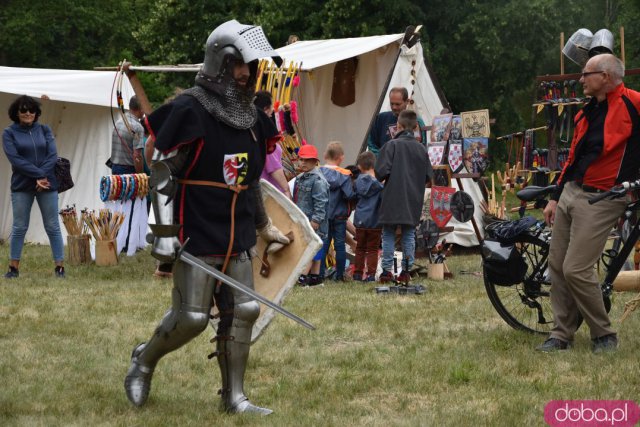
x=485, y=53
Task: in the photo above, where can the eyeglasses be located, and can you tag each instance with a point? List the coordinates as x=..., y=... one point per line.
x=25, y=110
x=588, y=73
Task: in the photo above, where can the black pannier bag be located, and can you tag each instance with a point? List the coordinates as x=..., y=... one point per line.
x=62, y=172
x=503, y=263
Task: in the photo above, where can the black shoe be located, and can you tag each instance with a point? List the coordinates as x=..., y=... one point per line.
x=314, y=280
x=59, y=272
x=605, y=344
x=302, y=279
x=553, y=344
x=12, y=273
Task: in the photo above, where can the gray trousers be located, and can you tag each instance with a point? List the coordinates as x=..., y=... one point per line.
x=580, y=233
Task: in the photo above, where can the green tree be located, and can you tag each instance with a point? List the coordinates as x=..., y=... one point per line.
x=78, y=34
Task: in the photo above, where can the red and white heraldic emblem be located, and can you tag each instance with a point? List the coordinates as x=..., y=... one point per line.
x=235, y=168
x=455, y=156
x=440, y=205
x=436, y=152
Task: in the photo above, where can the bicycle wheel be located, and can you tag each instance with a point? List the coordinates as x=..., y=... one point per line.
x=526, y=306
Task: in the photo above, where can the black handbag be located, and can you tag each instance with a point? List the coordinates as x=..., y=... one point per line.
x=63, y=174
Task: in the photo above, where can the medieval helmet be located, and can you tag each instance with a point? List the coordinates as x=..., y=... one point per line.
x=577, y=47
x=233, y=40
x=602, y=42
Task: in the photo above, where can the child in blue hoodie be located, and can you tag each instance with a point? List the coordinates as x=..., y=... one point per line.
x=368, y=232
x=340, y=192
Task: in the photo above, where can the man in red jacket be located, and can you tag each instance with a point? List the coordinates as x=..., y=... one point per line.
x=605, y=151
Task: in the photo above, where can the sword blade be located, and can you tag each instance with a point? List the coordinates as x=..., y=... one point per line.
x=215, y=273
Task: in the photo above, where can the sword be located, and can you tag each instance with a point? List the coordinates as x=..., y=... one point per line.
x=217, y=274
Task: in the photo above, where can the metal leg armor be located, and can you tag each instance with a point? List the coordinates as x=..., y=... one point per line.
x=238, y=314
x=186, y=319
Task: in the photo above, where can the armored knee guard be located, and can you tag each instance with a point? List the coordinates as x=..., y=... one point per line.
x=234, y=339
x=187, y=318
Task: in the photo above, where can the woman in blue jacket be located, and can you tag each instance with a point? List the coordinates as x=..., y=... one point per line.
x=31, y=150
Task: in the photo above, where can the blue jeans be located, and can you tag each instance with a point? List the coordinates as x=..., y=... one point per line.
x=337, y=232
x=408, y=242
x=21, y=202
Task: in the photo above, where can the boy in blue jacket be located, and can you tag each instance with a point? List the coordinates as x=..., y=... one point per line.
x=311, y=195
x=368, y=232
x=340, y=192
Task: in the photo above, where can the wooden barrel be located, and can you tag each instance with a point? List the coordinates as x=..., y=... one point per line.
x=106, y=253
x=79, y=250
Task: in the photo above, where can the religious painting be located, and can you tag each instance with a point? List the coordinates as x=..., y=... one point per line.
x=475, y=124
x=476, y=154
x=441, y=127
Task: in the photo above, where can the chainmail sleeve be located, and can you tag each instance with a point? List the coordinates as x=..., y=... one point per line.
x=261, y=218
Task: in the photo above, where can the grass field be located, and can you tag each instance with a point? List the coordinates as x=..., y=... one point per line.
x=442, y=358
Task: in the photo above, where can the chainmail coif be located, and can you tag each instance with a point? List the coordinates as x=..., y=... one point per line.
x=235, y=107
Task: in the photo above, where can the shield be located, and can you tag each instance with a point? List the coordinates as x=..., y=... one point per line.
x=286, y=265
x=462, y=206
x=455, y=157
x=429, y=232
x=441, y=205
x=436, y=152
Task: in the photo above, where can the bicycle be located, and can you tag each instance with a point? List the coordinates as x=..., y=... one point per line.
x=521, y=296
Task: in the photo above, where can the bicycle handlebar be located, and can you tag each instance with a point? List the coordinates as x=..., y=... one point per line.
x=617, y=191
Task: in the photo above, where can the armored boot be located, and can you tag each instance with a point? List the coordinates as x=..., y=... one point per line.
x=137, y=383
x=233, y=353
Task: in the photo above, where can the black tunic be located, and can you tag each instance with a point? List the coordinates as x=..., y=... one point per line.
x=218, y=153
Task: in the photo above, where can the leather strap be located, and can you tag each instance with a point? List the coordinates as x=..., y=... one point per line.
x=236, y=190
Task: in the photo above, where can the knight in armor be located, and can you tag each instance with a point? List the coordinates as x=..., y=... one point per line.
x=210, y=147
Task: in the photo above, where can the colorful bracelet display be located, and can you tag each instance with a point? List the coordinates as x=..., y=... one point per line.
x=124, y=187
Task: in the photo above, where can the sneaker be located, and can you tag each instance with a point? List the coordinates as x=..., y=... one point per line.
x=314, y=280
x=404, y=277
x=553, y=344
x=385, y=277
x=371, y=278
x=59, y=272
x=12, y=273
x=605, y=344
x=357, y=277
x=302, y=279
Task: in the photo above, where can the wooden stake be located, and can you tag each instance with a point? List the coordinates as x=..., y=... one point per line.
x=561, y=55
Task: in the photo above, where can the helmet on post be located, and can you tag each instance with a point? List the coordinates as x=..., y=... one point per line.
x=602, y=42
x=231, y=41
x=577, y=47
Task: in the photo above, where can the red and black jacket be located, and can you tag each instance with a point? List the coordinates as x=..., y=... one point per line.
x=619, y=160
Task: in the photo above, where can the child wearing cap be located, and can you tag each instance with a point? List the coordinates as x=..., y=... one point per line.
x=311, y=195
x=340, y=193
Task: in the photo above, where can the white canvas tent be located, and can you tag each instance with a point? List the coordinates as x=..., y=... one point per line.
x=321, y=121
x=78, y=110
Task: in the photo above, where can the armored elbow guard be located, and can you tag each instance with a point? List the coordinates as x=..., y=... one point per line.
x=165, y=232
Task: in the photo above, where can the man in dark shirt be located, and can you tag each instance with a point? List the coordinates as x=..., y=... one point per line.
x=604, y=152
x=385, y=126
x=210, y=144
